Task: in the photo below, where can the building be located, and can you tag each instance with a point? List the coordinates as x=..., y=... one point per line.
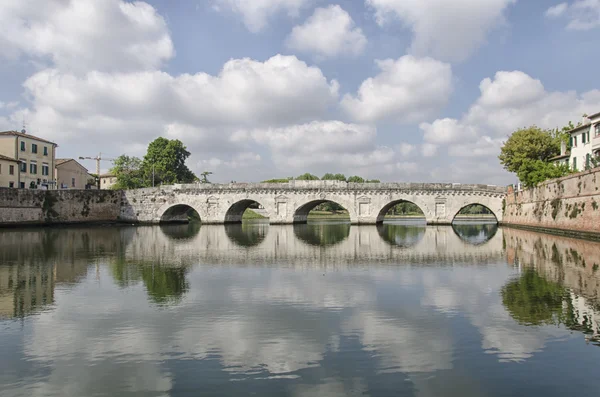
x=107, y=181
x=9, y=171
x=69, y=174
x=36, y=158
x=584, y=141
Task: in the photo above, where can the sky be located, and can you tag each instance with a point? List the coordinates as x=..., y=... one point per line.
x=398, y=90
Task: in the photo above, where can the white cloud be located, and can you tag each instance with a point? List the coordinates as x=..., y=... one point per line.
x=329, y=32
x=81, y=35
x=446, y=29
x=581, y=14
x=509, y=101
x=429, y=149
x=557, y=10
x=409, y=89
x=99, y=105
x=406, y=149
x=256, y=13
x=320, y=145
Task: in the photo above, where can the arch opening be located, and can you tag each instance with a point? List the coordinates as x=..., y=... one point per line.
x=180, y=213
x=475, y=233
x=322, y=234
x=246, y=235
x=475, y=213
x=402, y=235
x=246, y=211
x=402, y=211
x=321, y=211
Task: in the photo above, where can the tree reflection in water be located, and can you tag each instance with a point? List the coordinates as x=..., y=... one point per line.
x=322, y=234
x=403, y=236
x=164, y=284
x=475, y=233
x=532, y=300
x=247, y=234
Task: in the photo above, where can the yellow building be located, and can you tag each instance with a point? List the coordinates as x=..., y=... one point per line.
x=69, y=174
x=35, y=155
x=107, y=181
x=9, y=171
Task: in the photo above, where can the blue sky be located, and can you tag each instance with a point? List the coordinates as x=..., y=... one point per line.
x=400, y=90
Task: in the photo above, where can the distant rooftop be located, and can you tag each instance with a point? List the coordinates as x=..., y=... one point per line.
x=2, y=157
x=25, y=135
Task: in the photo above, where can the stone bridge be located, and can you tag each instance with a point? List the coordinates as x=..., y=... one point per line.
x=287, y=203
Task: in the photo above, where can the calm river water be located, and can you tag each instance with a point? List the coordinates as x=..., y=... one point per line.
x=309, y=310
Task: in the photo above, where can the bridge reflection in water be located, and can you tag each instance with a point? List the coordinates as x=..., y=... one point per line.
x=252, y=302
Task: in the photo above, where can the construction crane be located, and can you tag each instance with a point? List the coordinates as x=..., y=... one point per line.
x=98, y=158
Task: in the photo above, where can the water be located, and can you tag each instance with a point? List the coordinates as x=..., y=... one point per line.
x=319, y=309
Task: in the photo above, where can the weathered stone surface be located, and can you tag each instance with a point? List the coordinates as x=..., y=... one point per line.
x=291, y=202
x=569, y=203
x=28, y=206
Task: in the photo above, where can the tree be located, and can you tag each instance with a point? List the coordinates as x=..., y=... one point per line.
x=334, y=177
x=356, y=179
x=165, y=163
x=373, y=181
x=128, y=171
x=533, y=172
x=307, y=177
x=279, y=180
x=530, y=143
x=528, y=151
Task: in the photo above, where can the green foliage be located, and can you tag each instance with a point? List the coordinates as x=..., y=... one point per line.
x=475, y=209
x=164, y=284
x=532, y=172
x=128, y=171
x=333, y=177
x=529, y=145
x=356, y=179
x=373, y=181
x=307, y=177
x=280, y=180
x=167, y=158
x=405, y=208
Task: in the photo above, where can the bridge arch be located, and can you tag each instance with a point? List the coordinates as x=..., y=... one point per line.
x=177, y=213
x=496, y=214
x=386, y=208
x=246, y=235
x=303, y=208
x=236, y=211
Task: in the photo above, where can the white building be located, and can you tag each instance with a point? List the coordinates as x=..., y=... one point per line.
x=585, y=143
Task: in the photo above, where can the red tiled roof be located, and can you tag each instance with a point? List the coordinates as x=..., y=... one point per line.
x=24, y=135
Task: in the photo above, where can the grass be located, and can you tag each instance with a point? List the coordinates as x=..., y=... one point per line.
x=249, y=214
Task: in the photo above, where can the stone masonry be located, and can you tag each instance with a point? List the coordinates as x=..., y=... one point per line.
x=287, y=203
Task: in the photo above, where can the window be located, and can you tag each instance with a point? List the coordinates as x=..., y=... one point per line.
x=587, y=160
x=33, y=148
x=22, y=146
x=45, y=150
x=44, y=169
x=24, y=167
x=72, y=182
x=575, y=163
x=0, y=168
x=11, y=169
x=22, y=185
x=33, y=169
x=11, y=184
x=597, y=128
x=583, y=138
x=574, y=141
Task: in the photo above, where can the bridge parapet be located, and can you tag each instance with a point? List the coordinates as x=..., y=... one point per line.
x=336, y=185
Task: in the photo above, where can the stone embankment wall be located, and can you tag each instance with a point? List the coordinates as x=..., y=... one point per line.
x=570, y=204
x=28, y=206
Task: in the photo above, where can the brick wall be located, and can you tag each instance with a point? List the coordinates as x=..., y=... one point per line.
x=30, y=206
x=571, y=203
